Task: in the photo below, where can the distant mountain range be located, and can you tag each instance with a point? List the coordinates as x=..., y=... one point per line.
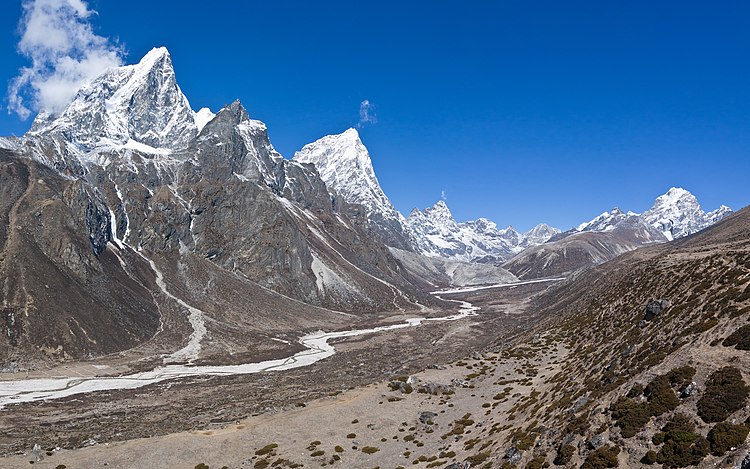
x=345, y=166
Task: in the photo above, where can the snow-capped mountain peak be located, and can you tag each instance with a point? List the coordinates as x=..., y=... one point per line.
x=674, y=214
x=345, y=166
x=139, y=103
x=440, y=214
x=678, y=213
x=538, y=235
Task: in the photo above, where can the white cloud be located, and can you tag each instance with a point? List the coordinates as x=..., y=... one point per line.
x=443, y=197
x=64, y=52
x=367, y=114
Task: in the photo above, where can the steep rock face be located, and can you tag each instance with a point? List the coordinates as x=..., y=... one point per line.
x=437, y=234
x=346, y=167
x=63, y=295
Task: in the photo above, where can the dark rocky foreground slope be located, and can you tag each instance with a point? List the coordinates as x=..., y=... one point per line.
x=653, y=362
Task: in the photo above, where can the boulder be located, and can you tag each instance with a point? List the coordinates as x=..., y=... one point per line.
x=427, y=417
x=513, y=455
x=689, y=390
x=595, y=442
x=654, y=308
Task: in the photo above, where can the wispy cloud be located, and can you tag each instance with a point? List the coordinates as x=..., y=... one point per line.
x=443, y=197
x=58, y=39
x=367, y=114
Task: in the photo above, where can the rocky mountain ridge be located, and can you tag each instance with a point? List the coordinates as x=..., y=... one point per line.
x=149, y=191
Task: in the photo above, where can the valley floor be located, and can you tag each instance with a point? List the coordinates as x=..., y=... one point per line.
x=188, y=421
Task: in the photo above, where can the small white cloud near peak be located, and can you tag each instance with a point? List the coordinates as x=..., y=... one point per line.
x=366, y=114
x=59, y=41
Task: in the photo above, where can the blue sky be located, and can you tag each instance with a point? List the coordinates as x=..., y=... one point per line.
x=521, y=111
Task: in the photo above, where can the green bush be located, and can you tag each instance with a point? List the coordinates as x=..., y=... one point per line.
x=606, y=456
x=682, y=446
x=679, y=422
x=676, y=453
x=370, y=449
x=266, y=449
x=630, y=416
x=726, y=392
x=478, y=458
x=649, y=458
x=564, y=455
x=740, y=338
x=681, y=377
x=725, y=436
x=539, y=462
x=661, y=397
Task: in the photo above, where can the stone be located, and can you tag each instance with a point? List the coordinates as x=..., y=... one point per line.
x=464, y=465
x=689, y=390
x=37, y=452
x=462, y=383
x=513, y=455
x=427, y=417
x=654, y=308
x=596, y=442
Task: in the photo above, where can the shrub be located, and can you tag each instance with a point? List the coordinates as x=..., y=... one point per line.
x=266, y=449
x=201, y=466
x=725, y=436
x=317, y=453
x=661, y=397
x=564, y=455
x=682, y=447
x=370, y=449
x=606, y=456
x=676, y=453
x=478, y=458
x=726, y=392
x=679, y=422
x=630, y=416
x=649, y=458
x=538, y=462
x=740, y=338
x=681, y=377
x=338, y=449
